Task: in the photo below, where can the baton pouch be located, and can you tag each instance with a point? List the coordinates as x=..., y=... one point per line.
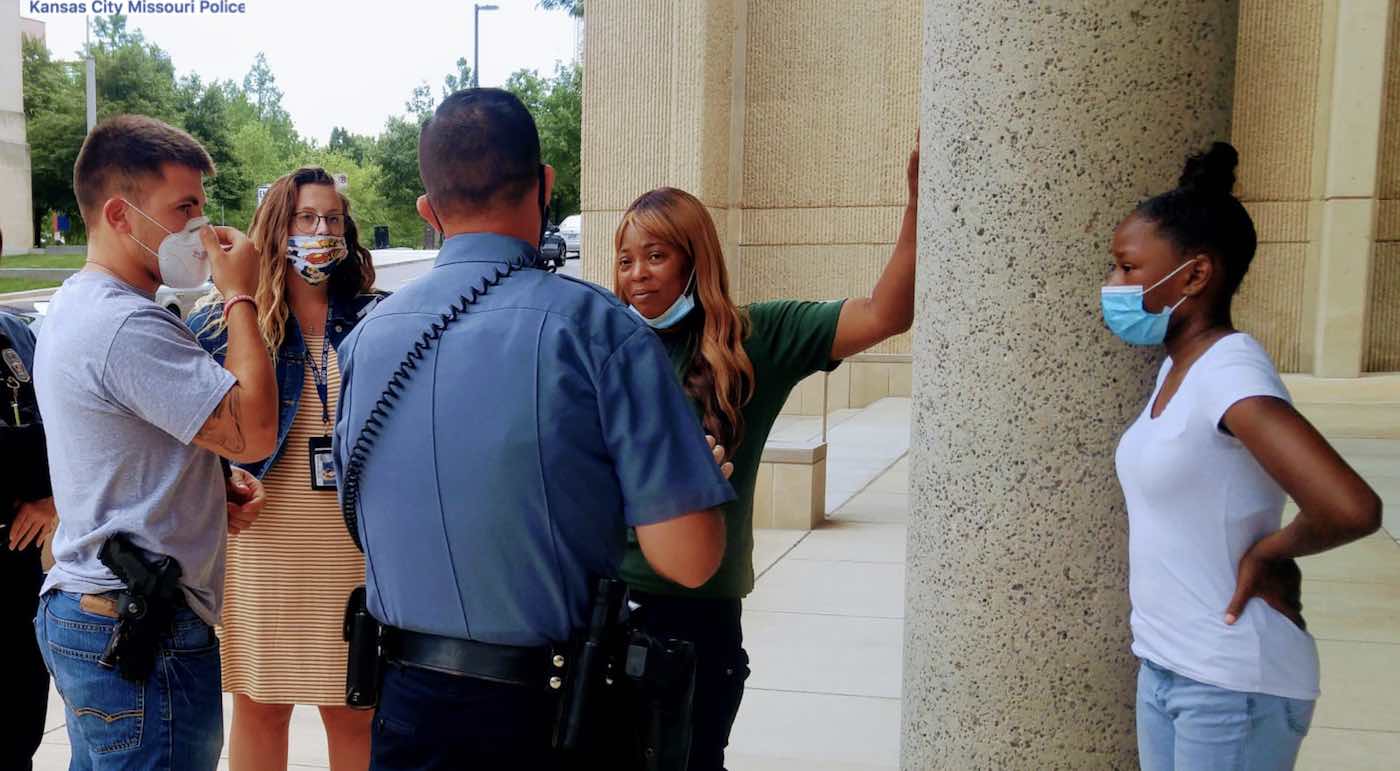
x=364, y=669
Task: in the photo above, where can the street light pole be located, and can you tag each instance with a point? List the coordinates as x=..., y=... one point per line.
x=477, y=8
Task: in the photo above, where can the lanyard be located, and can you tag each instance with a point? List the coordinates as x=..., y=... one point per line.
x=321, y=374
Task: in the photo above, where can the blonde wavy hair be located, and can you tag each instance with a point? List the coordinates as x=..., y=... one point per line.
x=271, y=223
x=720, y=376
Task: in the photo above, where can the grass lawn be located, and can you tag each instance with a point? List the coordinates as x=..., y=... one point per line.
x=25, y=284
x=73, y=261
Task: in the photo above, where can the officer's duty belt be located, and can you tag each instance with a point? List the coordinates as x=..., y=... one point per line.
x=467, y=658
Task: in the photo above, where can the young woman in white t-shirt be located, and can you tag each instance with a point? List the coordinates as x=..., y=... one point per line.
x=1229, y=675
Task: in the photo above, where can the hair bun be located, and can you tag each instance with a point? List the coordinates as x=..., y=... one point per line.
x=1211, y=172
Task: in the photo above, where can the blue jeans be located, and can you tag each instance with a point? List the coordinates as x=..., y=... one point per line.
x=174, y=720
x=1185, y=725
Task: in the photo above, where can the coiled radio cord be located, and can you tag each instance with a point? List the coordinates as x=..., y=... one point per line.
x=374, y=423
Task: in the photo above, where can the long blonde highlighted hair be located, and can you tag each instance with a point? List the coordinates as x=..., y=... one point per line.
x=271, y=223
x=720, y=376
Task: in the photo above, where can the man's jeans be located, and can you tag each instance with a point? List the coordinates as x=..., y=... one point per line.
x=174, y=720
x=1185, y=725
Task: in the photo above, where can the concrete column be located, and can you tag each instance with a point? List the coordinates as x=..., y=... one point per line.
x=1043, y=125
x=1350, y=101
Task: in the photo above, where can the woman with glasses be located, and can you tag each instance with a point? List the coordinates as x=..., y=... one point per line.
x=290, y=573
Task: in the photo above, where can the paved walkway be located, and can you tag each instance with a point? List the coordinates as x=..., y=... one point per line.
x=824, y=626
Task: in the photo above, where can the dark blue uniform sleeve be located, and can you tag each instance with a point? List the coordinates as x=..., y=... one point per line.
x=22, y=337
x=658, y=448
x=24, y=473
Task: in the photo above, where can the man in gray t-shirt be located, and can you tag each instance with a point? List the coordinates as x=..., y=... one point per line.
x=137, y=415
x=135, y=389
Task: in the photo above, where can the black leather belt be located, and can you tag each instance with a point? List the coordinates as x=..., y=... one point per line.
x=529, y=667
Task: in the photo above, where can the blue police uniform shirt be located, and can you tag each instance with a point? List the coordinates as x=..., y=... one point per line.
x=545, y=422
x=22, y=337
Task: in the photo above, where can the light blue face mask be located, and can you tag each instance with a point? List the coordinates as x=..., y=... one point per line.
x=1125, y=315
x=678, y=310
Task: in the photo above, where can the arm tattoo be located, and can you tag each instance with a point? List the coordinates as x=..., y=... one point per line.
x=222, y=429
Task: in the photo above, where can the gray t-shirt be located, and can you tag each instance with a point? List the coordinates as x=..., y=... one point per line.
x=124, y=387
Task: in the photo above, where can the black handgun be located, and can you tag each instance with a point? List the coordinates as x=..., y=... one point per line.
x=590, y=673
x=145, y=608
x=662, y=676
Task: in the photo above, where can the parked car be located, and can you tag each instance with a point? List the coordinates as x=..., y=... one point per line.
x=180, y=301
x=572, y=231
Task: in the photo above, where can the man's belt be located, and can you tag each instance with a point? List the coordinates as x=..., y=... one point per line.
x=540, y=667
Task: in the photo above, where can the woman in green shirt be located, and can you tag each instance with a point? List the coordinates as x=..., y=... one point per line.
x=738, y=364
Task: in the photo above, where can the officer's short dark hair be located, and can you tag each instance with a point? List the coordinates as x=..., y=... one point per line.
x=126, y=151
x=479, y=149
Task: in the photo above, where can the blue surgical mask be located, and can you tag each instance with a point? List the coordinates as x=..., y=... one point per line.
x=678, y=310
x=1125, y=315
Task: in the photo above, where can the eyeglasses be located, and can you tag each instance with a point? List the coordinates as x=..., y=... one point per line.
x=307, y=222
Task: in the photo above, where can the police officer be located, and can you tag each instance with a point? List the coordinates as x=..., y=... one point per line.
x=496, y=473
x=27, y=520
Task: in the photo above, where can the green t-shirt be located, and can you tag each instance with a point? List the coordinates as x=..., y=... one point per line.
x=788, y=340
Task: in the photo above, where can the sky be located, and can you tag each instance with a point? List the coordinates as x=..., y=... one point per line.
x=350, y=63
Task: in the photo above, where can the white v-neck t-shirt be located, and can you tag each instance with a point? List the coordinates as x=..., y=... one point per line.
x=1197, y=500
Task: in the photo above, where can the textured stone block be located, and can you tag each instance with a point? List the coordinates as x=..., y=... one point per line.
x=763, y=497
x=1269, y=305
x=1343, y=289
x=1276, y=96
x=902, y=379
x=1383, y=320
x=838, y=388
x=870, y=382
x=799, y=495
x=832, y=98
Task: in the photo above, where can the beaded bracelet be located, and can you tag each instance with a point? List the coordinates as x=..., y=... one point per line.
x=239, y=298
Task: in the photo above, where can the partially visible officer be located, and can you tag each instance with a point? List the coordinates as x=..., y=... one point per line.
x=27, y=520
x=542, y=420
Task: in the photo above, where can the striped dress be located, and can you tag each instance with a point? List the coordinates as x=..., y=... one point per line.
x=289, y=576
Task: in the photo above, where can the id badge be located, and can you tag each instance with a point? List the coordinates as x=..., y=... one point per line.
x=322, y=463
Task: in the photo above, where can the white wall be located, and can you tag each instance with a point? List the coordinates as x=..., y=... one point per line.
x=15, y=197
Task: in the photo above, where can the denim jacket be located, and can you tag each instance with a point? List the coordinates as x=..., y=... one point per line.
x=342, y=316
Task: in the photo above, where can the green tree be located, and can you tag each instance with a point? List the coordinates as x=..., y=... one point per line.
x=207, y=115
x=56, y=119
x=557, y=105
x=421, y=104
x=244, y=126
x=399, y=185
x=351, y=145
x=261, y=87
x=458, y=80
x=574, y=7
x=133, y=76
x=262, y=158
x=265, y=99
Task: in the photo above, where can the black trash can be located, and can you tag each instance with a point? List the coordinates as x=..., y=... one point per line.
x=381, y=237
